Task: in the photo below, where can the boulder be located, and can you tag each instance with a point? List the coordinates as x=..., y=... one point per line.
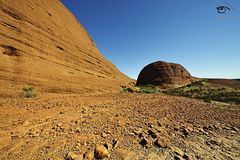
x=101, y=152
x=164, y=74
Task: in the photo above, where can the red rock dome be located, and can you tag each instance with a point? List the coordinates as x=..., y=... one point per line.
x=164, y=74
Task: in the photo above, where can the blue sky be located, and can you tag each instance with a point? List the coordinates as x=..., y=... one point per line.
x=134, y=33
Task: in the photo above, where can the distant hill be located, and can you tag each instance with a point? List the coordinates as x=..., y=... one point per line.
x=232, y=83
x=42, y=44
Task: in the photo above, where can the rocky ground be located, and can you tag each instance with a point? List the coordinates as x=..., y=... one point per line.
x=117, y=126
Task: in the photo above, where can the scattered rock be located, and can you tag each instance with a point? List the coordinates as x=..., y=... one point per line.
x=145, y=142
x=101, y=152
x=138, y=131
x=142, y=135
x=153, y=156
x=214, y=141
x=78, y=130
x=59, y=124
x=234, y=132
x=79, y=158
x=186, y=132
x=115, y=144
x=131, y=133
x=89, y=156
x=153, y=133
x=108, y=146
x=73, y=156
x=104, y=135
x=163, y=142
x=162, y=130
x=200, y=129
x=177, y=157
x=177, y=151
x=187, y=157
x=77, y=121
x=235, y=129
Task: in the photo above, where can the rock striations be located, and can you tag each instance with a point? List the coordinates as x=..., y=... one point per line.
x=164, y=74
x=42, y=44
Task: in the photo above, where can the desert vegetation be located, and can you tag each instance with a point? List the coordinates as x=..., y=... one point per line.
x=149, y=89
x=200, y=89
x=203, y=90
x=28, y=92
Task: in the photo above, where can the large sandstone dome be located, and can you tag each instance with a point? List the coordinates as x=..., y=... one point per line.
x=42, y=44
x=164, y=74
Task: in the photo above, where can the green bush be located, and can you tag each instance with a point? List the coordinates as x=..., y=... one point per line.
x=140, y=89
x=123, y=89
x=28, y=92
x=151, y=89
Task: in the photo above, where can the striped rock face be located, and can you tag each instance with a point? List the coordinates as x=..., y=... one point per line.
x=42, y=44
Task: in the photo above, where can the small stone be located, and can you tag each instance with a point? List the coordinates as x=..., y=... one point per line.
x=152, y=133
x=214, y=141
x=186, y=132
x=108, y=146
x=151, y=125
x=153, y=156
x=89, y=156
x=104, y=135
x=163, y=142
x=101, y=152
x=59, y=124
x=144, y=142
x=162, y=131
x=72, y=156
x=211, y=127
x=77, y=121
x=26, y=123
x=177, y=157
x=200, y=129
x=138, y=131
x=176, y=128
x=142, y=135
x=227, y=128
x=115, y=144
x=78, y=158
x=177, y=151
x=78, y=129
x=187, y=157
x=77, y=147
x=235, y=129
x=131, y=134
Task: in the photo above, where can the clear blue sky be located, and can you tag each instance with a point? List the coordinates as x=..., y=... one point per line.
x=134, y=33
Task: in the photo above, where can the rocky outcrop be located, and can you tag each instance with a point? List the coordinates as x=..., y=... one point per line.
x=164, y=74
x=42, y=44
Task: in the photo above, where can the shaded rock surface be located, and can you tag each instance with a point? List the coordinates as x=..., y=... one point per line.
x=43, y=44
x=162, y=73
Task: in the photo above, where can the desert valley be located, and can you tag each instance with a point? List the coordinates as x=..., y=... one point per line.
x=61, y=99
